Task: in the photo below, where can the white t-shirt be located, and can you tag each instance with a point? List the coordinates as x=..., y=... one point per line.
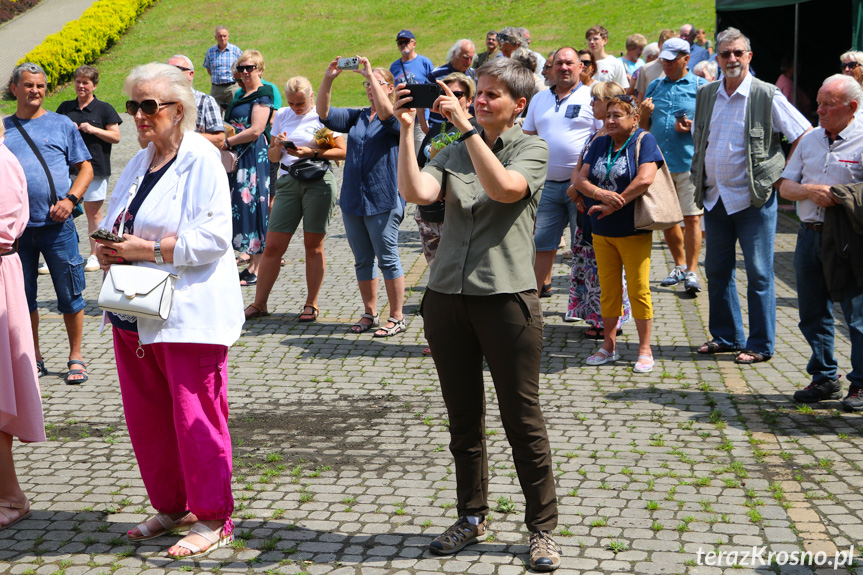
x=610, y=69
x=298, y=129
x=564, y=125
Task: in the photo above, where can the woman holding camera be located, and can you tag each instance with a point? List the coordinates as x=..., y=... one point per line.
x=298, y=196
x=615, y=170
x=481, y=301
x=173, y=205
x=370, y=203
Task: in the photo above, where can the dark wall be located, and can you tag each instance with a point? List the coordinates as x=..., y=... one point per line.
x=824, y=34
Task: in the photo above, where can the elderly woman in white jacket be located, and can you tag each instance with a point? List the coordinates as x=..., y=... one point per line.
x=173, y=373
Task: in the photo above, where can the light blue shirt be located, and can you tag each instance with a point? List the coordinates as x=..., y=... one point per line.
x=697, y=54
x=670, y=98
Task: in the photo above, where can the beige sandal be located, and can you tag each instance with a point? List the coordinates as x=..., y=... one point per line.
x=182, y=524
x=216, y=539
x=22, y=510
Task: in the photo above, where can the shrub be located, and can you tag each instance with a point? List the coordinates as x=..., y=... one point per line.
x=11, y=8
x=82, y=41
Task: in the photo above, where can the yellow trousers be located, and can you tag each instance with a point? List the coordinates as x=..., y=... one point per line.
x=613, y=256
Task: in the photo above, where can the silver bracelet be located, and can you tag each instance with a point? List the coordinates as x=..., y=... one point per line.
x=157, y=250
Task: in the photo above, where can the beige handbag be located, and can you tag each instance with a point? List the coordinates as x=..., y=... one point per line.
x=658, y=208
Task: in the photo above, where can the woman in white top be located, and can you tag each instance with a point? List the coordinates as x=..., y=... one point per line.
x=302, y=193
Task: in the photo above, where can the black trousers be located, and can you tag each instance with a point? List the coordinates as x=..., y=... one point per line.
x=506, y=329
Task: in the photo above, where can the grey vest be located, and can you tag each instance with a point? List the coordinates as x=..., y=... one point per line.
x=764, y=158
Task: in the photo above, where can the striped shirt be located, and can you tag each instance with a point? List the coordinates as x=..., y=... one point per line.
x=209, y=114
x=725, y=158
x=218, y=62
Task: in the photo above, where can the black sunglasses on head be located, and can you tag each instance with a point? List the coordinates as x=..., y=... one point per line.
x=624, y=98
x=149, y=107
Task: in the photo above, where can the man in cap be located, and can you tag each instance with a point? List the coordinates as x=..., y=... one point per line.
x=412, y=68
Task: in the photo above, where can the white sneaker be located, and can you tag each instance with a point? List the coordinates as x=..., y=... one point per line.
x=571, y=317
x=43, y=269
x=92, y=264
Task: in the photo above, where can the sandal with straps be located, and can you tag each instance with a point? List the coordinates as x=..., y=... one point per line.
x=216, y=538
x=23, y=511
x=307, y=317
x=167, y=524
x=399, y=326
x=361, y=327
x=259, y=311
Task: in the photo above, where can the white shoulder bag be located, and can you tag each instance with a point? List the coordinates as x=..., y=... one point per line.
x=137, y=290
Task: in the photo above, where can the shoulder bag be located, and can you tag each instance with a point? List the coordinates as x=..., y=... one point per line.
x=78, y=209
x=137, y=290
x=658, y=208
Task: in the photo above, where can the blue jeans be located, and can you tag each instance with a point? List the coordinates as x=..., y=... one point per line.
x=816, y=312
x=555, y=209
x=375, y=236
x=755, y=229
x=58, y=244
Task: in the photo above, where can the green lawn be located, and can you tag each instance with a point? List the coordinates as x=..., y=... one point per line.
x=302, y=38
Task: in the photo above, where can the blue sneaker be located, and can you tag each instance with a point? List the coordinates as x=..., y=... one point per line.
x=676, y=276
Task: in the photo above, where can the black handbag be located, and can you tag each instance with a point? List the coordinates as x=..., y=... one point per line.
x=78, y=210
x=307, y=170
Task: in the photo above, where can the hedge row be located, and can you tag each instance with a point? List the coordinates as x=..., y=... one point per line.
x=82, y=41
x=11, y=8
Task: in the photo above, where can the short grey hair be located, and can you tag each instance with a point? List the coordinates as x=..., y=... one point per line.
x=514, y=34
x=216, y=31
x=185, y=59
x=852, y=55
x=26, y=67
x=709, y=65
x=458, y=49
x=171, y=85
x=850, y=88
x=519, y=81
x=732, y=35
x=651, y=50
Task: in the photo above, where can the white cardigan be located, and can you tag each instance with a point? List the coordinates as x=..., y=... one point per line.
x=208, y=304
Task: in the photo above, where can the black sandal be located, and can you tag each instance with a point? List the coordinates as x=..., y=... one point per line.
x=40, y=368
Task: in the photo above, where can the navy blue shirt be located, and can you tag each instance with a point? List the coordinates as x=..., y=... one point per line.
x=369, y=184
x=623, y=170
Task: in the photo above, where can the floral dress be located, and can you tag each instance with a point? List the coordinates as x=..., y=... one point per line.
x=250, y=183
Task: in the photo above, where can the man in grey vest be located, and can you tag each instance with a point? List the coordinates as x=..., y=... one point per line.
x=737, y=161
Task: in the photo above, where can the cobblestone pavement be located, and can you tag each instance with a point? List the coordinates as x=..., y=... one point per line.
x=341, y=459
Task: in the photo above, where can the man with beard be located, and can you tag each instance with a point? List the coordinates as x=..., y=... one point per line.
x=734, y=171
x=563, y=117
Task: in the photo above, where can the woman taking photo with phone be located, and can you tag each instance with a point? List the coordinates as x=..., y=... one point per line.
x=298, y=197
x=370, y=203
x=173, y=210
x=481, y=301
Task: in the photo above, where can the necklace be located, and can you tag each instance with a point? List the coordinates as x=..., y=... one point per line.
x=165, y=160
x=611, y=161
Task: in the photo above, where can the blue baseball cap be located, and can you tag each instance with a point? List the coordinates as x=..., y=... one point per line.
x=406, y=34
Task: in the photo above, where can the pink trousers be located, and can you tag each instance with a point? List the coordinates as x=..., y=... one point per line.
x=176, y=405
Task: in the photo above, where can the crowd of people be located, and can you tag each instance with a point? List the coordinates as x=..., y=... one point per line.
x=516, y=147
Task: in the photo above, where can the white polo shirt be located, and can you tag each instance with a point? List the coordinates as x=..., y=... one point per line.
x=725, y=158
x=817, y=161
x=565, y=124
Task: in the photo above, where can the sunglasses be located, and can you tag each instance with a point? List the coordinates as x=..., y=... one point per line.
x=183, y=69
x=247, y=68
x=459, y=93
x=587, y=62
x=380, y=83
x=403, y=42
x=851, y=65
x=737, y=54
x=504, y=39
x=624, y=98
x=149, y=107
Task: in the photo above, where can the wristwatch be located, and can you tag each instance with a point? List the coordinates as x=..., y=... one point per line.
x=157, y=250
x=316, y=155
x=74, y=199
x=467, y=134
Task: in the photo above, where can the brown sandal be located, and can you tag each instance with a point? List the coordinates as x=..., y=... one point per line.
x=306, y=317
x=259, y=312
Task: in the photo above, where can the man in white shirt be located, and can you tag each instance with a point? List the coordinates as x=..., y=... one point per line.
x=563, y=117
x=830, y=155
x=734, y=171
x=608, y=68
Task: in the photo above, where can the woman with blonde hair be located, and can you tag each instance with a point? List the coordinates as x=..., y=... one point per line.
x=20, y=401
x=371, y=206
x=296, y=148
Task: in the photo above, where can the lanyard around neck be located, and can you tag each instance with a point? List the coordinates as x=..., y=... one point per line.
x=611, y=161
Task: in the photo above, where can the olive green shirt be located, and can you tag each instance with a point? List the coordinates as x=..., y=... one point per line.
x=486, y=247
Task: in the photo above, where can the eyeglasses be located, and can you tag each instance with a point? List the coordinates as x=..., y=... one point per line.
x=149, y=107
x=247, y=68
x=850, y=65
x=380, y=83
x=725, y=55
x=183, y=69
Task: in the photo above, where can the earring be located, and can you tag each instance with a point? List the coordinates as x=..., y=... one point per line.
x=176, y=121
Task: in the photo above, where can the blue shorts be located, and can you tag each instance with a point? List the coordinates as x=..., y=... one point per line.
x=375, y=236
x=58, y=244
x=554, y=211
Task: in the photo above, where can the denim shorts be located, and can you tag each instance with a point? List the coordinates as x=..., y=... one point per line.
x=554, y=211
x=58, y=244
x=373, y=237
